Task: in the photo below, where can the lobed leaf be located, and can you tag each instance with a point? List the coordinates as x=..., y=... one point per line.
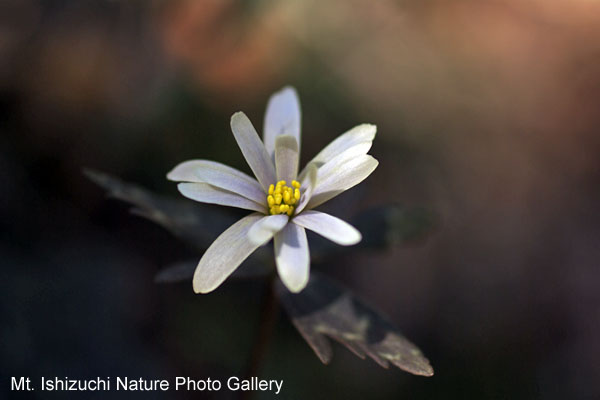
x=325, y=309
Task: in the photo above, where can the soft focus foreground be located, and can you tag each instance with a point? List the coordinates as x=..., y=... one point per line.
x=487, y=115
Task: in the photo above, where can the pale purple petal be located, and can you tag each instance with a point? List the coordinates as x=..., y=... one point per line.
x=219, y=175
x=308, y=185
x=329, y=227
x=263, y=230
x=361, y=134
x=282, y=117
x=339, y=175
x=253, y=149
x=292, y=257
x=224, y=255
x=205, y=193
x=286, y=158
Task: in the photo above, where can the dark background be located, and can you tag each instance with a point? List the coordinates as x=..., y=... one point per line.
x=488, y=115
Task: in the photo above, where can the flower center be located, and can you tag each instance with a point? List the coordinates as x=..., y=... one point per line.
x=282, y=198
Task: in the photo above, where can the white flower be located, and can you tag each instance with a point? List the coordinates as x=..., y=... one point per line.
x=282, y=211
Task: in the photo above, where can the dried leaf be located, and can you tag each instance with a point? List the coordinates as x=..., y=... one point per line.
x=325, y=309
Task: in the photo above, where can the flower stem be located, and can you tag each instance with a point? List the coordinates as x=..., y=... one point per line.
x=268, y=317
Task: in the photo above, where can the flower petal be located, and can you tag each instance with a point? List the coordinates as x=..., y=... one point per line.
x=224, y=255
x=253, y=149
x=263, y=230
x=308, y=185
x=357, y=150
x=328, y=226
x=205, y=193
x=282, y=117
x=286, y=158
x=219, y=175
x=292, y=257
x=339, y=175
x=361, y=134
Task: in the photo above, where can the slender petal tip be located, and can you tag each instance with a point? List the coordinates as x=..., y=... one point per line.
x=292, y=257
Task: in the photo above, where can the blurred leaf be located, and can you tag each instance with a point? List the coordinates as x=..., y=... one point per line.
x=187, y=220
x=326, y=309
x=176, y=272
x=389, y=225
x=381, y=227
x=192, y=222
x=259, y=264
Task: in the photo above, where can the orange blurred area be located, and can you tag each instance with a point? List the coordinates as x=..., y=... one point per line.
x=224, y=50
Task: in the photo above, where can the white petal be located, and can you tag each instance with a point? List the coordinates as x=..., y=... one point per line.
x=361, y=134
x=292, y=257
x=219, y=175
x=339, y=175
x=224, y=255
x=253, y=149
x=286, y=158
x=282, y=117
x=328, y=226
x=205, y=193
x=263, y=230
x=307, y=186
x=355, y=151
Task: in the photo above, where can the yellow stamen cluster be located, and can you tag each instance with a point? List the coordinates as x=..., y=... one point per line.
x=282, y=198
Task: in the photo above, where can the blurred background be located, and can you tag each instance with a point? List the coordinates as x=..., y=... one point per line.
x=487, y=113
